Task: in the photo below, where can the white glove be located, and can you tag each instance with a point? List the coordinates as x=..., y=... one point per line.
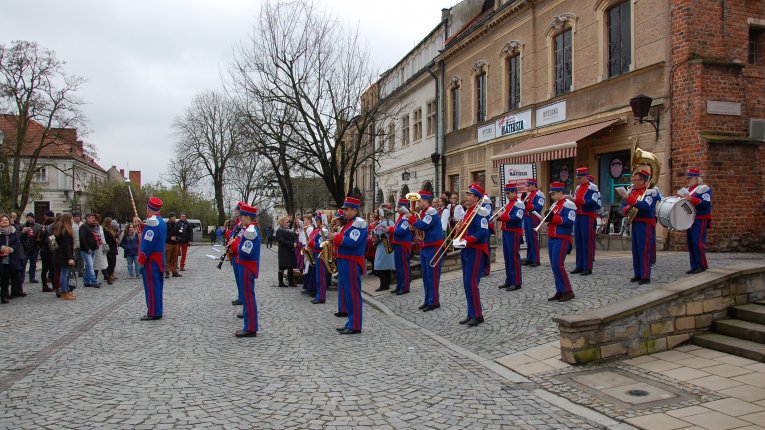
x=459, y=244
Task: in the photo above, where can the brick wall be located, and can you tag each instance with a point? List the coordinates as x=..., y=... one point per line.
x=709, y=63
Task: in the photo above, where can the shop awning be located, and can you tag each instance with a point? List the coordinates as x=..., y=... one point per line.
x=553, y=146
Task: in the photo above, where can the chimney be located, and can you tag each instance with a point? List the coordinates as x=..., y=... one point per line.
x=135, y=178
x=445, y=12
x=122, y=172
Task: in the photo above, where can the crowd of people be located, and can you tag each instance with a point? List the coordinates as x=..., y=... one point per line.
x=70, y=247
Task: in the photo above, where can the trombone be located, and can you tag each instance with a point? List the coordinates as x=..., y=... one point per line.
x=462, y=226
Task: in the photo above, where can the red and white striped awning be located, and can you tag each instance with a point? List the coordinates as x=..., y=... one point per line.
x=553, y=146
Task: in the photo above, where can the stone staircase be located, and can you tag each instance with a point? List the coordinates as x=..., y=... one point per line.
x=742, y=334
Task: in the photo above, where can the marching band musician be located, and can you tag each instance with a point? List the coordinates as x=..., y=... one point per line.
x=700, y=195
x=402, y=247
x=559, y=240
x=350, y=244
x=384, y=261
x=433, y=238
x=320, y=270
x=488, y=204
x=512, y=235
x=535, y=202
x=247, y=245
x=475, y=252
x=643, y=225
x=309, y=271
x=587, y=200
x=342, y=306
x=151, y=257
x=232, y=234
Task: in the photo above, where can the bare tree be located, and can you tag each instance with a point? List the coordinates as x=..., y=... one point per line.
x=40, y=99
x=314, y=68
x=252, y=180
x=209, y=129
x=183, y=170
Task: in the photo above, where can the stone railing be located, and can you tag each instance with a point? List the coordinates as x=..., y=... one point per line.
x=661, y=318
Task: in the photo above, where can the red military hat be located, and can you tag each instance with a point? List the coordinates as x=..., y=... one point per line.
x=557, y=186
x=154, y=203
x=644, y=173
x=476, y=189
x=247, y=210
x=582, y=171
x=511, y=186
x=693, y=173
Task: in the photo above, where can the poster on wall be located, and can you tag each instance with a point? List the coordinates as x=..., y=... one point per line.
x=516, y=172
x=563, y=171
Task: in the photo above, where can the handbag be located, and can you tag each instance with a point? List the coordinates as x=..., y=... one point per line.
x=72, y=279
x=106, y=248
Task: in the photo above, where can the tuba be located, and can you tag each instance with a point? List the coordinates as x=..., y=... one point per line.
x=640, y=157
x=413, y=197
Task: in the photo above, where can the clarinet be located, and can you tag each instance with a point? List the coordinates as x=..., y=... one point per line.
x=234, y=232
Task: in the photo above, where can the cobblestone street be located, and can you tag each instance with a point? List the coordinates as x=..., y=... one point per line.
x=91, y=363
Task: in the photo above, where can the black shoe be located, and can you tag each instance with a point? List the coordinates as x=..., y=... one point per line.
x=575, y=271
x=525, y=262
x=475, y=322
x=347, y=331
x=401, y=293
x=109, y=282
x=587, y=272
x=555, y=297
x=340, y=328
x=96, y=285
x=466, y=320
x=236, y=302
x=282, y=285
x=240, y=315
x=635, y=279
x=394, y=291
x=176, y=275
x=304, y=292
x=431, y=308
x=513, y=288
x=292, y=285
x=148, y=318
x=533, y=264
x=242, y=333
x=423, y=306
x=503, y=286
x=341, y=314
x=34, y=281
x=316, y=302
x=382, y=288
x=644, y=281
x=699, y=270
x=3, y=300
x=566, y=297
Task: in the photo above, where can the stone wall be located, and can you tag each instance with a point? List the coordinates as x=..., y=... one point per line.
x=661, y=318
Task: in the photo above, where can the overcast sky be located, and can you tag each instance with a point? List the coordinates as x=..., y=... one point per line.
x=144, y=60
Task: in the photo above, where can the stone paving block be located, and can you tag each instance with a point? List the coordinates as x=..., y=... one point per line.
x=658, y=422
x=734, y=407
x=715, y=421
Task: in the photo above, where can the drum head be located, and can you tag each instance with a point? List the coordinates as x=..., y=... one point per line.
x=675, y=213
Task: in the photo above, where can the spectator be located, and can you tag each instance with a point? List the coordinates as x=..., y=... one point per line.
x=185, y=235
x=219, y=235
x=63, y=256
x=111, y=251
x=269, y=236
x=47, y=272
x=88, y=249
x=129, y=244
x=10, y=261
x=171, y=247
x=76, y=223
x=285, y=238
x=100, y=262
x=29, y=233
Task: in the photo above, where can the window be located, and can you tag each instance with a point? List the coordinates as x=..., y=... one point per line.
x=563, y=62
x=514, y=81
x=480, y=86
x=480, y=177
x=619, y=39
x=454, y=183
x=380, y=140
x=755, y=44
x=391, y=137
x=417, y=124
x=455, y=108
x=431, y=120
x=41, y=175
x=405, y=130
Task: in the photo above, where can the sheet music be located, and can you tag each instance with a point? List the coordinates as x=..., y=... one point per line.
x=621, y=191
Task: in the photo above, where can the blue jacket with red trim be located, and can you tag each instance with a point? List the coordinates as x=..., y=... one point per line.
x=477, y=235
x=562, y=222
x=248, y=248
x=401, y=234
x=646, y=207
x=351, y=242
x=512, y=218
x=430, y=223
x=701, y=197
x=152, y=246
x=587, y=199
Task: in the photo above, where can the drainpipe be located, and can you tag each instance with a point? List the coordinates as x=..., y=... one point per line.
x=436, y=156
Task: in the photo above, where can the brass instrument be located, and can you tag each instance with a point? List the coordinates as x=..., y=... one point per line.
x=327, y=253
x=545, y=220
x=499, y=212
x=305, y=251
x=413, y=197
x=462, y=227
x=640, y=157
x=386, y=242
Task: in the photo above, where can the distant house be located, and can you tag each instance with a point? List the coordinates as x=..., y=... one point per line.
x=63, y=171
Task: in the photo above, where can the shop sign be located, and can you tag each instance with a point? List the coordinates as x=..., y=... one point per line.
x=486, y=133
x=514, y=123
x=551, y=114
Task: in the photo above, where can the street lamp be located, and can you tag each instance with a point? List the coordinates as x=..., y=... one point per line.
x=641, y=107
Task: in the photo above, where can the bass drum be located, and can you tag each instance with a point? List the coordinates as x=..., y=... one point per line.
x=675, y=213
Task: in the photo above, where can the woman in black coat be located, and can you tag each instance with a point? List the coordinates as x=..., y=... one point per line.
x=63, y=256
x=10, y=260
x=287, y=261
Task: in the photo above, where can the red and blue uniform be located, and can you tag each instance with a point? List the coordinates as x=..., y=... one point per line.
x=587, y=200
x=512, y=235
x=402, y=248
x=320, y=270
x=151, y=256
x=643, y=229
x=232, y=235
x=559, y=242
x=248, y=261
x=701, y=197
x=475, y=257
x=535, y=202
x=350, y=245
x=433, y=238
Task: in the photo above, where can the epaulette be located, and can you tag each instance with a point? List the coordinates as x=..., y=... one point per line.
x=486, y=200
x=651, y=192
x=519, y=204
x=359, y=223
x=152, y=221
x=484, y=211
x=431, y=211
x=593, y=187
x=250, y=232
x=403, y=209
x=701, y=189
x=569, y=204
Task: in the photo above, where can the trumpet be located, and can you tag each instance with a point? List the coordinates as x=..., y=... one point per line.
x=545, y=220
x=462, y=228
x=499, y=213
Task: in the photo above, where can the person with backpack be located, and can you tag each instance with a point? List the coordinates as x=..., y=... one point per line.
x=46, y=254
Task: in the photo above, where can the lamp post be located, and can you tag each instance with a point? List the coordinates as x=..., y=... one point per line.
x=641, y=107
